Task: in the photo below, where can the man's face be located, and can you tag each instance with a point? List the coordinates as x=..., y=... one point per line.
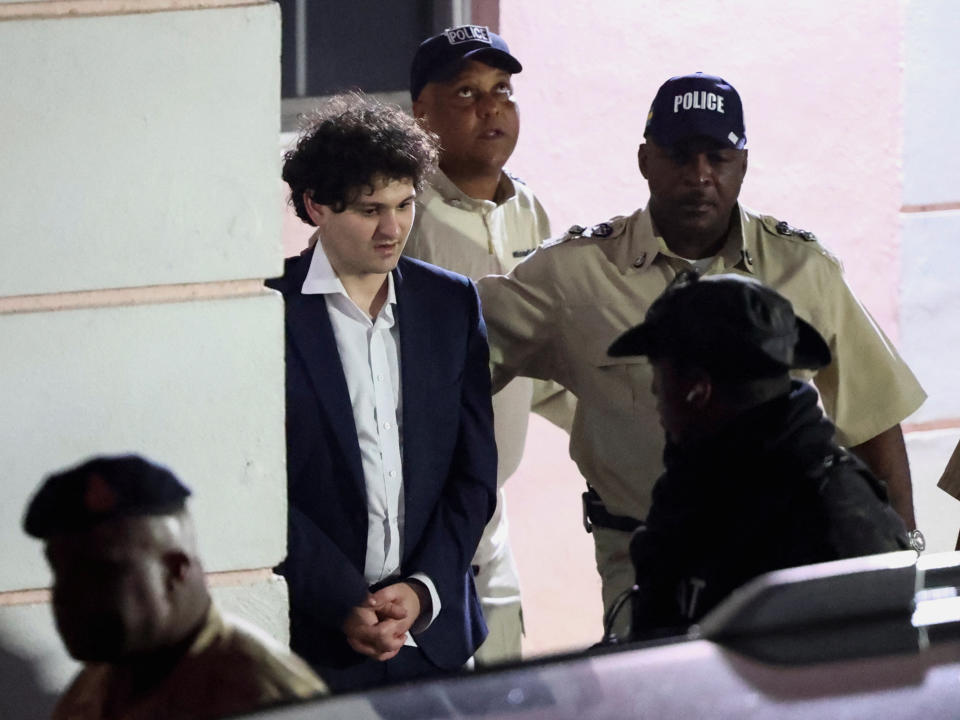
x=672, y=388
x=476, y=118
x=367, y=238
x=110, y=591
x=693, y=186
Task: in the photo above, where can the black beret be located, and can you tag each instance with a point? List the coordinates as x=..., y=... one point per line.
x=100, y=489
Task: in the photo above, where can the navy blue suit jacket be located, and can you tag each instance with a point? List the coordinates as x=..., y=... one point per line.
x=449, y=463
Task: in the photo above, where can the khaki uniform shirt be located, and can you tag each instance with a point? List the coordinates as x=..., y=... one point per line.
x=556, y=314
x=231, y=667
x=477, y=238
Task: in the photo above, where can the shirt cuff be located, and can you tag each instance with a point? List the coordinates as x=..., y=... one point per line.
x=426, y=619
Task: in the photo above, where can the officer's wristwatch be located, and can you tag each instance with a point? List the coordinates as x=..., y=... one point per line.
x=917, y=541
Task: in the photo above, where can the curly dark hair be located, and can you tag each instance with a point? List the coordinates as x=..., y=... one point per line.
x=350, y=141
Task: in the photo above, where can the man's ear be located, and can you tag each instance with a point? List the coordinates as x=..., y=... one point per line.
x=177, y=565
x=418, y=109
x=642, y=159
x=745, y=152
x=420, y=112
x=699, y=395
x=700, y=392
x=317, y=212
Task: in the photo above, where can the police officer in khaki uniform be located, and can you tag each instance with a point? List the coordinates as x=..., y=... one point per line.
x=556, y=314
x=476, y=219
x=131, y=601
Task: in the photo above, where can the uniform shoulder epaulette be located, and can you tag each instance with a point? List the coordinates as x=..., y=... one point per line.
x=783, y=229
x=611, y=228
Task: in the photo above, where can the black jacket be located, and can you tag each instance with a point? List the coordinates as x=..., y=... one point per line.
x=771, y=490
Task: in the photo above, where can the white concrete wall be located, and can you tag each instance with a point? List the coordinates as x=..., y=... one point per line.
x=931, y=155
x=139, y=217
x=930, y=305
x=134, y=134
x=930, y=252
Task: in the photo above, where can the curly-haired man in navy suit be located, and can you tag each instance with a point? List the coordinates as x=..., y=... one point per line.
x=390, y=449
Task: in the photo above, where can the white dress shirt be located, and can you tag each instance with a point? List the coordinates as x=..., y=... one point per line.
x=370, y=356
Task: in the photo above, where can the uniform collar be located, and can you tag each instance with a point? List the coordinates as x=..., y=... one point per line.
x=643, y=244
x=453, y=195
x=211, y=629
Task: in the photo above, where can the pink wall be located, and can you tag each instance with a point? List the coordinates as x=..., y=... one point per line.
x=562, y=610
x=821, y=85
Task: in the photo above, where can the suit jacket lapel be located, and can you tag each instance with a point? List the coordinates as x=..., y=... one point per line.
x=413, y=367
x=308, y=323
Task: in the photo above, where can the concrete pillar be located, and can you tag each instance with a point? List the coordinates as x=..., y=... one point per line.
x=139, y=217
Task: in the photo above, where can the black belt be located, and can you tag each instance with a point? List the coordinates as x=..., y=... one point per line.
x=596, y=513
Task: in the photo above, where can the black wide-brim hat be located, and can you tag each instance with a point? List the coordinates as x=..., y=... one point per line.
x=730, y=324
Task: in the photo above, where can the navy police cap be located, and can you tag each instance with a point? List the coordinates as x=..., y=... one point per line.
x=696, y=105
x=102, y=488
x=437, y=55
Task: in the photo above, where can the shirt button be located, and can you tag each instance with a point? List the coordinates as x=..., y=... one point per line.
x=380, y=378
x=392, y=473
x=387, y=426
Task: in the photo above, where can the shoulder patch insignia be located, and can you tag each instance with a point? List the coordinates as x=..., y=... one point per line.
x=602, y=230
x=612, y=228
x=785, y=228
x=575, y=231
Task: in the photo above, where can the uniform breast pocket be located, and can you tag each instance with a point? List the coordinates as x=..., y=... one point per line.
x=622, y=383
x=626, y=381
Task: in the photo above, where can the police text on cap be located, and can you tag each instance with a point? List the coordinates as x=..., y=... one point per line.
x=698, y=100
x=468, y=33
